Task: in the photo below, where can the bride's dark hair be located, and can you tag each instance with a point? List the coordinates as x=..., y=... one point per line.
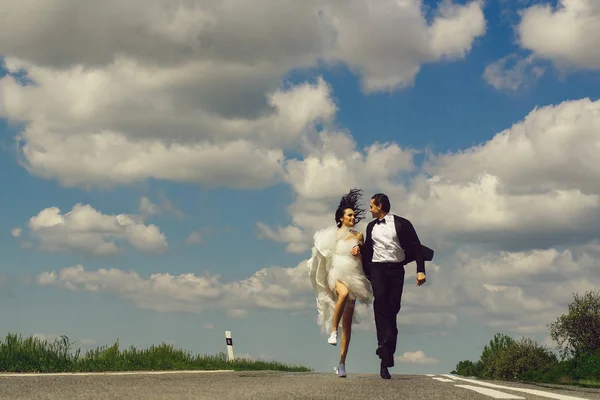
x=350, y=200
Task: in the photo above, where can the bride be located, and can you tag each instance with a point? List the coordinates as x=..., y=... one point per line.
x=337, y=276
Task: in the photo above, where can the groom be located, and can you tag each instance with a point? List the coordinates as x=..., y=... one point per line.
x=391, y=242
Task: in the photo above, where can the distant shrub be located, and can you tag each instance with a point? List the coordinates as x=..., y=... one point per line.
x=468, y=368
x=34, y=355
x=521, y=357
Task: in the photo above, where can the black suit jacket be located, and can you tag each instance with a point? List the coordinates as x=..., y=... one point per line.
x=409, y=241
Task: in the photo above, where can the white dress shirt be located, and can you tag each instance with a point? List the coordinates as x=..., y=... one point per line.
x=386, y=247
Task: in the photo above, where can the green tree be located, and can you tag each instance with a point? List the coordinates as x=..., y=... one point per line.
x=468, y=368
x=521, y=357
x=578, y=332
x=492, y=354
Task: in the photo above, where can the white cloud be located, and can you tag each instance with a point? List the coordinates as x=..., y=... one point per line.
x=543, y=195
x=85, y=229
x=292, y=235
x=174, y=142
x=507, y=291
x=16, y=232
x=111, y=158
x=147, y=208
x=193, y=92
x=332, y=166
x=194, y=238
x=521, y=75
x=557, y=136
x=522, y=292
x=416, y=357
x=272, y=288
x=566, y=34
x=262, y=37
x=455, y=27
x=237, y=313
x=96, y=103
x=393, y=39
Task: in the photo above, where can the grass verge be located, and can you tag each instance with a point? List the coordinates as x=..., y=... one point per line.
x=34, y=355
x=590, y=383
x=568, y=381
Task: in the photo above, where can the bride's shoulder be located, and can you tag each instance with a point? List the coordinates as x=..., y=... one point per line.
x=356, y=234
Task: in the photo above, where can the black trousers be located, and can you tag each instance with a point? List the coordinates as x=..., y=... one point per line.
x=387, y=280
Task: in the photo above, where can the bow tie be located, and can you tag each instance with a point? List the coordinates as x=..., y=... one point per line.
x=380, y=221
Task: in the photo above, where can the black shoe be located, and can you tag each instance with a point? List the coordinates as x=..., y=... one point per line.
x=384, y=373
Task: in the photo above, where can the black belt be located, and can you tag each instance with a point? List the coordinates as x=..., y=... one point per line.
x=388, y=262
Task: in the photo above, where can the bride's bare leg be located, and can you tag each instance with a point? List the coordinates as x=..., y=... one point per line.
x=346, y=329
x=342, y=292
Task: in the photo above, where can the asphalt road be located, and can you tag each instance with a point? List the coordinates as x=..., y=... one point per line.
x=272, y=385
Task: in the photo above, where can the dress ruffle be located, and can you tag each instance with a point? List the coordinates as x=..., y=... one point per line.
x=332, y=261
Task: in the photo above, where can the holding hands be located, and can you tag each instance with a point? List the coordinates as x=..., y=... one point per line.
x=421, y=278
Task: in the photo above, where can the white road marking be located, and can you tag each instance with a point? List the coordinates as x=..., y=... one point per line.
x=530, y=391
x=490, y=392
x=112, y=373
x=443, y=380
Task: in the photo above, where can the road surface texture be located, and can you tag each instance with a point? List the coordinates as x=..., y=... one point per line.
x=271, y=385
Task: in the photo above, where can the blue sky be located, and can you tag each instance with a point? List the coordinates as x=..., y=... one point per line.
x=466, y=205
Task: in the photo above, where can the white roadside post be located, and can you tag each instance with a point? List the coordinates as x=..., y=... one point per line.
x=229, y=342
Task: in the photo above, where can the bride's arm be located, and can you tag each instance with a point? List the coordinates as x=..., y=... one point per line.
x=361, y=242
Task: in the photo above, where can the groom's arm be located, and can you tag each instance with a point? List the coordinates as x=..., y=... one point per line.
x=365, y=255
x=411, y=243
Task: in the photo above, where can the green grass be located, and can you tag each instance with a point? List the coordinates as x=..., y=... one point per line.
x=591, y=383
x=566, y=381
x=34, y=355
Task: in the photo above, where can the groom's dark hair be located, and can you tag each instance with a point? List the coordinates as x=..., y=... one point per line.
x=382, y=200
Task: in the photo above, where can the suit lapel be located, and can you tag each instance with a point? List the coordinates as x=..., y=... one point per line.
x=398, y=225
x=369, y=232
x=367, y=251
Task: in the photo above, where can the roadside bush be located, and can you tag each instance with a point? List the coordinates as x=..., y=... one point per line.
x=468, y=368
x=577, y=334
x=585, y=366
x=555, y=373
x=492, y=355
x=522, y=356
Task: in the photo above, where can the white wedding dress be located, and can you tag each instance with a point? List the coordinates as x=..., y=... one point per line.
x=331, y=261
